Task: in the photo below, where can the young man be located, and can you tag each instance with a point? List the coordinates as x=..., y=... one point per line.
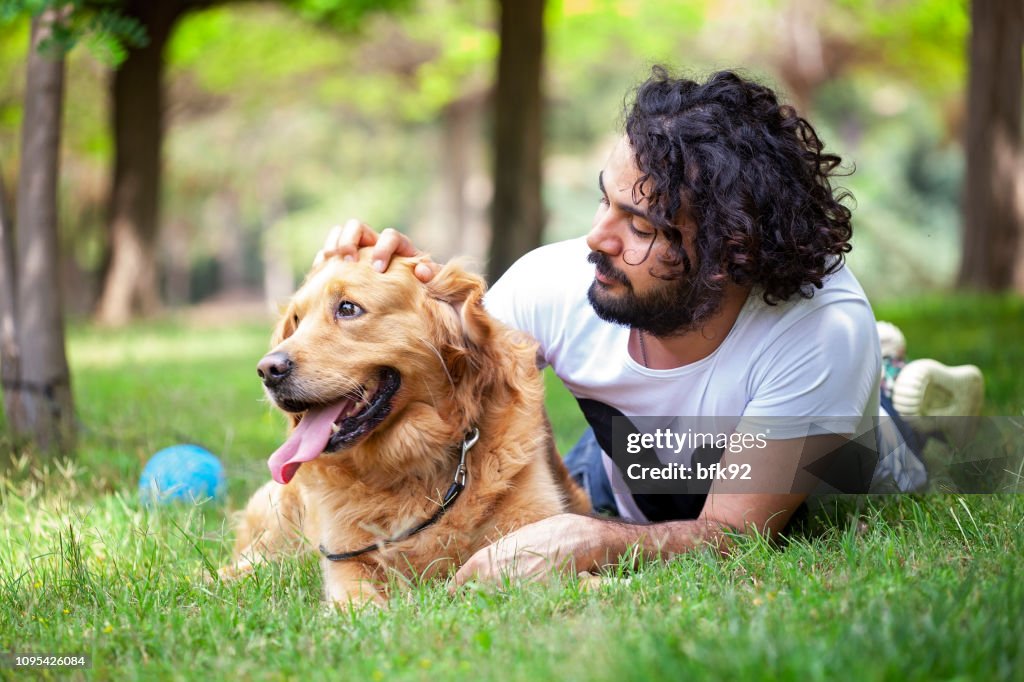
x=711, y=283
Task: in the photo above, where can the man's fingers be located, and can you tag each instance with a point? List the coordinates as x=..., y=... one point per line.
x=426, y=270
x=329, y=247
x=333, y=238
x=472, y=568
x=344, y=241
x=390, y=244
x=354, y=236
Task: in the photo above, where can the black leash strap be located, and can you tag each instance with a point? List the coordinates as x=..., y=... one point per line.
x=454, y=490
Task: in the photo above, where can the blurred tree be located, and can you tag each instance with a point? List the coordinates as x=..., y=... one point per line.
x=130, y=282
x=994, y=183
x=38, y=396
x=36, y=379
x=8, y=333
x=517, y=211
x=437, y=66
x=809, y=56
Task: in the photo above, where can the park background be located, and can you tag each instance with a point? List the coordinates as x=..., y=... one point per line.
x=281, y=119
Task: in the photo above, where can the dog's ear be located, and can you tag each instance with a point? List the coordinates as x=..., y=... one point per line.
x=464, y=291
x=484, y=359
x=467, y=334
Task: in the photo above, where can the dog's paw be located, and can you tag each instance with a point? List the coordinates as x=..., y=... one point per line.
x=232, y=572
x=355, y=596
x=589, y=581
x=357, y=604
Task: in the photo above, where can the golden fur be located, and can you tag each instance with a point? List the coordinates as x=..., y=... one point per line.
x=459, y=369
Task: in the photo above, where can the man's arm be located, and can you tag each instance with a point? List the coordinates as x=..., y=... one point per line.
x=765, y=503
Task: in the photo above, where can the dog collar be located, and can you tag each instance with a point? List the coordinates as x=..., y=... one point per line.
x=454, y=490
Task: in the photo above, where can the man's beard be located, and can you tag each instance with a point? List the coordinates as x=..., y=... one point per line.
x=675, y=307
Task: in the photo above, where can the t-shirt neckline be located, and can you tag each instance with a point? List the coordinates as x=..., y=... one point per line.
x=697, y=365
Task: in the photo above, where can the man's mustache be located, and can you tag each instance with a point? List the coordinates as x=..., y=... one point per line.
x=606, y=269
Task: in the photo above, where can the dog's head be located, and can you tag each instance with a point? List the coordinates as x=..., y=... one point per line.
x=358, y=352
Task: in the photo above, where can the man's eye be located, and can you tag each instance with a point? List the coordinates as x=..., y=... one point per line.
x=640, y=233
x=348, y=309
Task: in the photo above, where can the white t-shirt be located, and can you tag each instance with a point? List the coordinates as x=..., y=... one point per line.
x=817, y=358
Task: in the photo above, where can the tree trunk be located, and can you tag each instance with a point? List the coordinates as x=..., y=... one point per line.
x=41, y=395
x=455, y=123
x=131, y=283
x=993, y=203
x=802, y=64
x=517, y=212
x=465, y=179
x=175, y=240
x=9, y=356
x=230, y=252
x=278, y=275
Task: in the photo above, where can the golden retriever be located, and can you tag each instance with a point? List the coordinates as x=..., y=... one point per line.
x=386, y=380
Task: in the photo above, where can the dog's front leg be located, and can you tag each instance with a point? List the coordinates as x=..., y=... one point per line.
x=271, y=525
x=349, y=584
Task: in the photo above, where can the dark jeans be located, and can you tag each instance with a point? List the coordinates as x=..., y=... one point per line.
x=586, y=464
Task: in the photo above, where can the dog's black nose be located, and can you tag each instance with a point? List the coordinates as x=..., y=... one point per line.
x=274, y=367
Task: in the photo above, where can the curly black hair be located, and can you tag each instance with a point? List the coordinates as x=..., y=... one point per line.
x=749, y=172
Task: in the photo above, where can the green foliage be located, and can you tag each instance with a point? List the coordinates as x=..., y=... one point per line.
x=109, y=34
x=251, y=53
x=419, y=62
x=345, y=15
x=321, y=109
x=463, y=43
x=100, y=23
x=906, y=182
x=923, y=41
x=318, y=125
x=598, y=49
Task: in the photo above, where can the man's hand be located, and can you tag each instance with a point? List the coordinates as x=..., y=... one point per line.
x=566, y=542
x=345, y=241
x=584, y=543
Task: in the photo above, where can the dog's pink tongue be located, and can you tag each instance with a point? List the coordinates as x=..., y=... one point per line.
x=307, y=441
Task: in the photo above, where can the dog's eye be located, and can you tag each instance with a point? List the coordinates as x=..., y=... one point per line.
x=348, y=309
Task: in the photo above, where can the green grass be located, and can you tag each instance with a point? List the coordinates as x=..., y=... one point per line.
x=883, y=588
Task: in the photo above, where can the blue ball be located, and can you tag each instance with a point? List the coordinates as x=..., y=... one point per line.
x=186, y=473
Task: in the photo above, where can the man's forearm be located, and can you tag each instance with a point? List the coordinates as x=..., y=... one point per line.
x=585, y=543
x=613, y=540
x=723, y=514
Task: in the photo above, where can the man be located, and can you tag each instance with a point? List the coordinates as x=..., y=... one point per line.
x=711, y=283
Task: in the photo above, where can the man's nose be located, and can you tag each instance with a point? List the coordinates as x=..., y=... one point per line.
x=603, y=237
x=274, y=368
